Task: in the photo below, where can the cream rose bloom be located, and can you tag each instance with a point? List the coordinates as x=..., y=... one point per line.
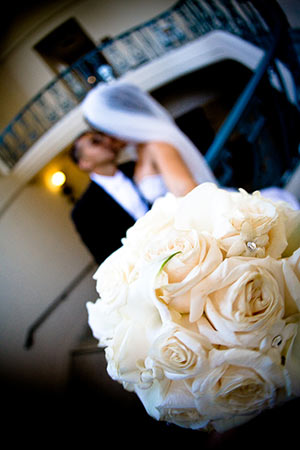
x=180, y=352
x=244, y=224
x=159, y=218
x=292, y=362
x=189, y=257
x=178, y=407
x=112, y=284
x=113, y=275
x=291, y=269
x=240, y=382
x=173, y=402
x=294, y=263
x=241, y=299
x=129, y=326
x=279, y=338
x=149, y=373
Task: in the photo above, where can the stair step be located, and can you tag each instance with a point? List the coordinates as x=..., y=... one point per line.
x=86, y=348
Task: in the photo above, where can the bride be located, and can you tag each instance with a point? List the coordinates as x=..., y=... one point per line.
x=166, y=159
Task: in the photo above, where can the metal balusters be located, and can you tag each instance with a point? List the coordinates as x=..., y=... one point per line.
x=186, y=21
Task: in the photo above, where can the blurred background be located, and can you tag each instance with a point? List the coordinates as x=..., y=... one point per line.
x=196, y=57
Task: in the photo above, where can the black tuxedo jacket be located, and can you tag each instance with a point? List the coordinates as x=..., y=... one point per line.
x=100, y=221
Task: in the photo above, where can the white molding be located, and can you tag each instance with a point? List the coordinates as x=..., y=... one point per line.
x=214, y=47
x=4, y=169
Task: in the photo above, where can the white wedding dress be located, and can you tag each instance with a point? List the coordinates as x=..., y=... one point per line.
x=152, y=187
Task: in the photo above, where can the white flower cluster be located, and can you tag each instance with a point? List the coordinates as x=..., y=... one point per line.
x=199, y=308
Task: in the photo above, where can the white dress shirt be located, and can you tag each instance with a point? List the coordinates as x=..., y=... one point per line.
x=123, y=191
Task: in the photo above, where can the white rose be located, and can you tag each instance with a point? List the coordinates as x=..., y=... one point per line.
x=132, y=328
x=160, y=217
x=128, y=345
x=181, y=353
x=184, y=417
x=278, y=339
x=178, y=407
x=149, y=372
x=153, y=396
x=242, y=298
x=240, y=382
x=113, y=275
x=291, y=268
x=184, y=244
x=260, y=227
x=103, y=320
x=189, y=258
x=293, y=362
x=244, y=224
x=291, y=219
x=294, y=262
x=201, y=207
x=112, y=283
x=292, y=284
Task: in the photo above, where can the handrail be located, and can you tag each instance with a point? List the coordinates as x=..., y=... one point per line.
x=237, y=111
x=235, y=115
x=29, y=340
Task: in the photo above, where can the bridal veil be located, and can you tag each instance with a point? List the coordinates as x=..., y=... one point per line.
x=125, y=111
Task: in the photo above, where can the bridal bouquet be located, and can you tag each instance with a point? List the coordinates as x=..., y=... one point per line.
x=199, y=308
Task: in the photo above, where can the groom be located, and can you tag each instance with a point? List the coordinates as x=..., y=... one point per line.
x=112, y=203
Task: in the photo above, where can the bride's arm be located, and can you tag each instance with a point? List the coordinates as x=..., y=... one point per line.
x=170, y=164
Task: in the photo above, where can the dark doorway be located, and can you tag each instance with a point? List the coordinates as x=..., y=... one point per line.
x=264, y=144
x=64, y=45
x=68, y=49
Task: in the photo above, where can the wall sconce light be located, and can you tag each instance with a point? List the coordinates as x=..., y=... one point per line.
x=58, y=179
x=58, y=183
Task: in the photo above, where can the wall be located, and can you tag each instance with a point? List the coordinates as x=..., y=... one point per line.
x=40, y=253
x=24, y=70
x=292, y=11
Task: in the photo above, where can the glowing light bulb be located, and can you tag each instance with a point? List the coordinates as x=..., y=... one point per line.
x=58, y=178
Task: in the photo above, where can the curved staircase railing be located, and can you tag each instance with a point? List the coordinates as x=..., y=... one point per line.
x=184, y=22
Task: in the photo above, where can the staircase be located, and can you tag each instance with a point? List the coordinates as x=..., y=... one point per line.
x=295, y=37
x=101, y=405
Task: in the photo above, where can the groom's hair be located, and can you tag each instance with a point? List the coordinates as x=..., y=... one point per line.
x=74, y=149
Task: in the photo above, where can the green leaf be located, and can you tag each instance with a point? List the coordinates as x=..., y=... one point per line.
x=167, y=260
